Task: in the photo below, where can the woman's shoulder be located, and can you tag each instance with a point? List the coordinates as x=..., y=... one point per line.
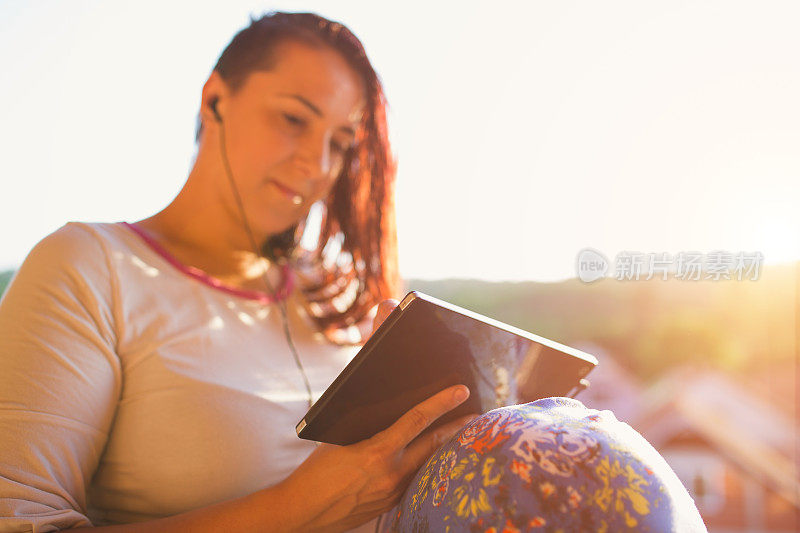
x=77, y=242
x=84, y=232
x=77, y=254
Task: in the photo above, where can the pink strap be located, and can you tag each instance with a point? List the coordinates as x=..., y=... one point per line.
x=281, y=294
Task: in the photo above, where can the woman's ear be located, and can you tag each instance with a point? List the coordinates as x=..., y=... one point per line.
x=212, y=102
x=213, y=106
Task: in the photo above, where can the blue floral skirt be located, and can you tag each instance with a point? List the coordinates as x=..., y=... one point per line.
x=549, y=465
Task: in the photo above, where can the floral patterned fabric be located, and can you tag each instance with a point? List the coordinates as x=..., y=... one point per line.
x=549, y=465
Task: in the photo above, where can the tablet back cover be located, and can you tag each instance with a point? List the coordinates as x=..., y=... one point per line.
x=424, y=346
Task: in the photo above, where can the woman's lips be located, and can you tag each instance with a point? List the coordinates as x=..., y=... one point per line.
x=291, y=194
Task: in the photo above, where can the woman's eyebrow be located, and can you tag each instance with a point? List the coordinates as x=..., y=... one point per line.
x=305, y=102
x=316, y=110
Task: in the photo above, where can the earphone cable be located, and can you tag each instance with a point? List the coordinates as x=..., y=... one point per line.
x=281, y=304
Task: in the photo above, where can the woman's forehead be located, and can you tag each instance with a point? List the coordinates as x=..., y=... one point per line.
x=317, y=73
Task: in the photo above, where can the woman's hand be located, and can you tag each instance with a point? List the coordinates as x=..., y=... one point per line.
x=340, y=487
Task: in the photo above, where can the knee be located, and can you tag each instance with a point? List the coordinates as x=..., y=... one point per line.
x=551, y=463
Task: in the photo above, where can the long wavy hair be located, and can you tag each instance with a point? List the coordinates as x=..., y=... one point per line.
x=353, y=264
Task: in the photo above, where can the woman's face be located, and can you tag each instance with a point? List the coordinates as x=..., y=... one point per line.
x=287, y=131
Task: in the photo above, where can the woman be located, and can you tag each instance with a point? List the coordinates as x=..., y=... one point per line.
x=151, y=374
x=157, y=369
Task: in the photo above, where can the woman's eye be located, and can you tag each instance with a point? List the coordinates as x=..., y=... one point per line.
x=339, y=147
x=342, y=146
x=294, y=120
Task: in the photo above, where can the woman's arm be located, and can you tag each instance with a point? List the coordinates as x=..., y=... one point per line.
x=265, y=510
x=60, y=380
x=336, y=488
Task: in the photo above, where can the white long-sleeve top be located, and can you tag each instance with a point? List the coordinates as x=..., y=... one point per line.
x=130, y=390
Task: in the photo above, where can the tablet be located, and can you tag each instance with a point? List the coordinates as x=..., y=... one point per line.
x=426, y=345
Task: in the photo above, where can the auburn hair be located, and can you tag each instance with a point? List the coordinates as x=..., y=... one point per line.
x=353, y=264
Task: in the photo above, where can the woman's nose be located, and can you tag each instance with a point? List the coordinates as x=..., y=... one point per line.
x=314, y=158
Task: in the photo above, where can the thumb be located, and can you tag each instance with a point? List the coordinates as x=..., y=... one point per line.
x=384, y=309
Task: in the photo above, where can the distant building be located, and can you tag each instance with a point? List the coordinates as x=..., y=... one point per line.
x=611, y=386
x=735, y=453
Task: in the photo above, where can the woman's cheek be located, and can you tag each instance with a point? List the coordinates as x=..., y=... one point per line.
x=325, y=189
x=278, y=146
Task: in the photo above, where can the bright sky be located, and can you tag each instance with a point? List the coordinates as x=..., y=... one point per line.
x=525, y=131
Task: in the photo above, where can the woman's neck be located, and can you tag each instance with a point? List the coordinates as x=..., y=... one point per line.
x=199, y=233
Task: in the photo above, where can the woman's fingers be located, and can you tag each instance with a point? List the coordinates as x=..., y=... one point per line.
x=410, y=425
x=355, y=483
x=422, y=448
x=384, y=309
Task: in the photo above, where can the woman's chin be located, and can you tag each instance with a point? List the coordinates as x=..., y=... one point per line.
x=276, y=229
